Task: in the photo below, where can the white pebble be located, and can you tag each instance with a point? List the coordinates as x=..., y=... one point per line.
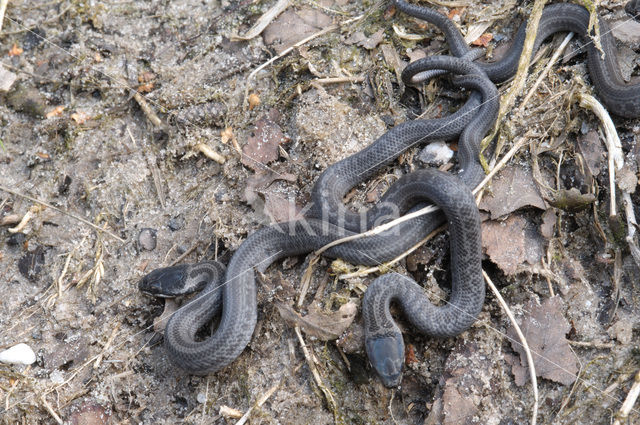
x=201, y=398
x=436, y=153
x=18, y=354
x=57, y=377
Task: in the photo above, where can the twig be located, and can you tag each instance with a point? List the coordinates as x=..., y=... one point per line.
x=155, y=172
x=592, y=344
x=148, y=111
x=331, y=402
x=48, y=205
x=507, y=101
x=60, y=279
x=263, y=21
x=291, y=48
x=337, y=80
x=379, y=229
x=614, y=147
x=210, y=153
x=388, y=264
x=259, y=403
x=631, y=226
x=502, y=163
x=525, y=345
x=114, y=332
x=626, y=407
x=3, y=8
x=50, y=410
x=184, y=255
x=546, y=69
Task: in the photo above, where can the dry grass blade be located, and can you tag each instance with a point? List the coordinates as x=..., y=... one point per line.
x=3, y=8
x=48, y=205
x=627, y=406
x=263, y=21
x=614, y=146
x=331, y=401
x=525, y=345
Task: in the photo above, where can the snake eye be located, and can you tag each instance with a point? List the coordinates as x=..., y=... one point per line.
x=167, y=282
x=386, y=355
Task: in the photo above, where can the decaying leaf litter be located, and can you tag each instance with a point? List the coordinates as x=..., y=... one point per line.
x=127, y=163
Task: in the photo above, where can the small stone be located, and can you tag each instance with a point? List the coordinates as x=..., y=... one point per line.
x=27, y=100
x=176, y=223
x=30, y=264
x=7, y=78
x=435, y=154
x=147, y=239
x=16, y=239
x=201, y=398
x=57, y=377
x=18, y=354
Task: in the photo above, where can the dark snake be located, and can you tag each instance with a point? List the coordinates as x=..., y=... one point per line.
x=234, y=296
x=621, y=98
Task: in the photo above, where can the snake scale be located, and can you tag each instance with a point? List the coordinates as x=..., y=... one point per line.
x=232, y=293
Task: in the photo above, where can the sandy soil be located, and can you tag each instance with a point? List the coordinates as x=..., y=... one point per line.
x=151, y=198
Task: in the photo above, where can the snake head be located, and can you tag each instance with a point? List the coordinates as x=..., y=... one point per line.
x=167, y=282
x=386, y=354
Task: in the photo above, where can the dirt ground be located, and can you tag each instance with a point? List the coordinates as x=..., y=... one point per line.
x=127, y=194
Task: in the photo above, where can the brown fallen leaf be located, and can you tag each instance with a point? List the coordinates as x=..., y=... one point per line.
x=15, y=50
x=549, y=218
x=512, y=189
x=483, y=40
x=262, y=147
x=254, y=100
x=280, y=209
x=592, y=151
x=571, y=200
x=324, y=326
x=512, y=242
x=55, y=112
x=260, y=181
x=370, y=42
x=294, y=25
x=544, y=327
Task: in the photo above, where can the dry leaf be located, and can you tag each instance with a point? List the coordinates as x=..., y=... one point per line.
x=145, y=88
x=453, y=13
x=279, y=209
x=262, y=146
x=362, y=40
x=254, y=100
x=549, y=218
x=15, y=50
x=592, y=152
x=483, y=40
x=80, y=117
x=512, y=242
x=513, y=188
x=294, y=25
x=544, y=327
x=571, y=200
x=146, y=76
x=324, y=326
x=55, y=112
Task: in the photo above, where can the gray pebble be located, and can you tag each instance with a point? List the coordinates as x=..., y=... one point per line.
x=147, y=239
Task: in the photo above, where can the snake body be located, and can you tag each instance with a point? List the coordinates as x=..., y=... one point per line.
x=621, y=98
x=232, y=294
